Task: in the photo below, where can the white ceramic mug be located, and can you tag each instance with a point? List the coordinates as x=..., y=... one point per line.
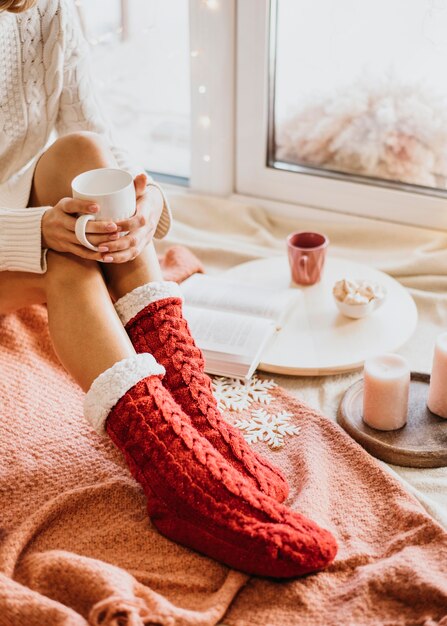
x=112, y=190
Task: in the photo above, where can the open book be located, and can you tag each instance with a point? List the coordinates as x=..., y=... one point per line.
x=233, y=322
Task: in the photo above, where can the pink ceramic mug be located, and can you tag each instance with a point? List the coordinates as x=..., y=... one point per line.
x=307, y=254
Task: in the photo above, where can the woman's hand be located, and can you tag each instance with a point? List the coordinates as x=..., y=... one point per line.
x=58, y=226
x=140, y=227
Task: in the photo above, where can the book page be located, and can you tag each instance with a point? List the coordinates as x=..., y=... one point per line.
x=228, y=333
x=227, y=295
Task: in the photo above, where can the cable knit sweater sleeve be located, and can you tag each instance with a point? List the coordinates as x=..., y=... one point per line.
x=20, y=240
x=79, y=105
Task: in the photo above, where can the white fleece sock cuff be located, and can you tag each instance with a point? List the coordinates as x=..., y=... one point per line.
x=135, y=301
x=112, y=384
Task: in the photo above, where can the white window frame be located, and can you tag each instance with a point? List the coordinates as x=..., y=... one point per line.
x=230, y=56
x=244, y=172
x=212, y=48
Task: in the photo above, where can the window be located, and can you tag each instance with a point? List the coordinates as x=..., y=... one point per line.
x=266, y=98
x=341, y=105
x=359, y=89
x=141, y=63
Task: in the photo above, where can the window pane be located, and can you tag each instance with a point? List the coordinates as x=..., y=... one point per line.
x=359, y=88
x=140, y=54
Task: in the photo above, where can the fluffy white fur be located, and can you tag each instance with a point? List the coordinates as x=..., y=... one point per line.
x=135, y=301
x=112, y=384
x=386, y=129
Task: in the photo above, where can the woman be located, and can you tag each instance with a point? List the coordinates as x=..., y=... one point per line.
x=136, y=360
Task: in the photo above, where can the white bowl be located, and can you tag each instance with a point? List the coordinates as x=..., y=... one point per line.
x=357, y=311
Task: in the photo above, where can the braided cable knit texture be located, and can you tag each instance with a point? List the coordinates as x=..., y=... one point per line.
x=31, y=71
x=45, y=82
x=12, y=122
x=109, y=386
x=196, y=498
x=161, y=330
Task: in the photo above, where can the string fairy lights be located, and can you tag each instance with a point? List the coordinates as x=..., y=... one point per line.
x=204, y=120
x=213, y=5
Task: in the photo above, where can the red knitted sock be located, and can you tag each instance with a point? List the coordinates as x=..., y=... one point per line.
x=194, y=496
x=153, y=318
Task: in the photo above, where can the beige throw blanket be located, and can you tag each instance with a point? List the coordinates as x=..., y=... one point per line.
x=77, y=548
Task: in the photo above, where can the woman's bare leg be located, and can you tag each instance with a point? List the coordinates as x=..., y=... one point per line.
x=87, y=334
x=121, y=278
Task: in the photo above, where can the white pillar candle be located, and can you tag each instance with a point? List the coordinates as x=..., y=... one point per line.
x=386, y=391
x=437, y=393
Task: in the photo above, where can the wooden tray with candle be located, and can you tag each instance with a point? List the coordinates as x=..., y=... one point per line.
x=422, y=442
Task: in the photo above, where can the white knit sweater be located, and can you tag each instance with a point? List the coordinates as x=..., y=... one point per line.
x=45, y=88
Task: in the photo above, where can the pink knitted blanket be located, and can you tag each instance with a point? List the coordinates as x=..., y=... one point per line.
x=77, y=548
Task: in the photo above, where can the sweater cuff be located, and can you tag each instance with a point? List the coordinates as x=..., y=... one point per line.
x=164, y=223
x=21, y=241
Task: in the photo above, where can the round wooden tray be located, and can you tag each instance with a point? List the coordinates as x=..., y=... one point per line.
x=422, y=442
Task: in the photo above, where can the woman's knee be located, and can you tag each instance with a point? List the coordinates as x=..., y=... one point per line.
x=67, y=157
x=83, y=146
x=69, y=270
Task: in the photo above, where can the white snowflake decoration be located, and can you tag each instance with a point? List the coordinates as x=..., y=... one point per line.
x=268, y=427
x=238, y=394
